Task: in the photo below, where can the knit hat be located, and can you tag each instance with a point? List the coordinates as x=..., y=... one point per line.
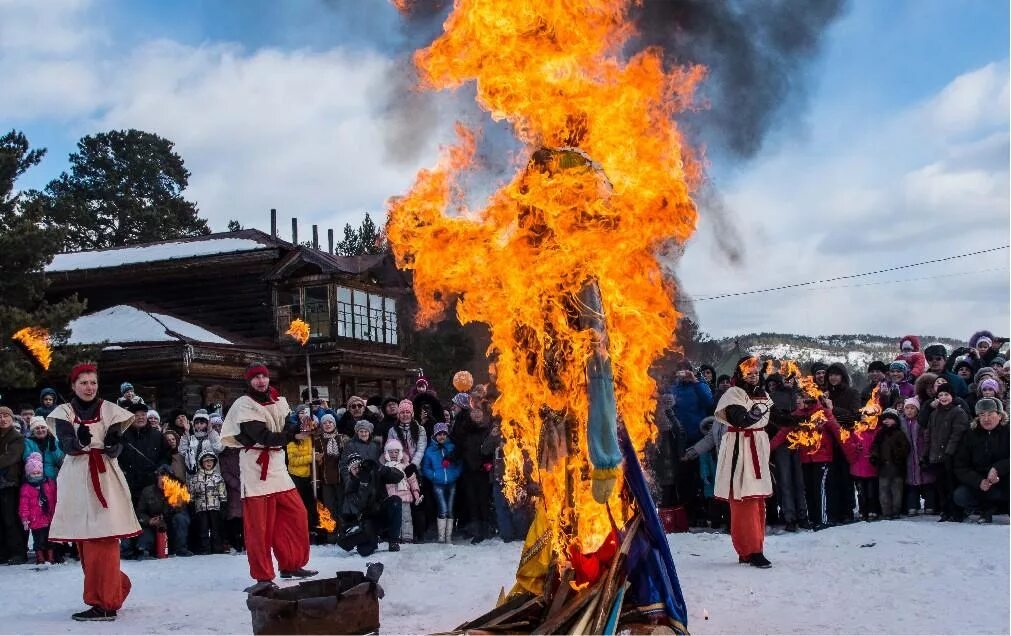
x=935, y=350
x=947, y=388
x=37, y=422
x=201, y=414
x=988, y=405
x=393, y=444
x=877, y=365
x=983, y=339
x=892, y=413
x=354, y=399
x=123, y=388
x=440, y=427
x=364, y=424
x=899, y=365
x=33, y=464
x=386, y=401
x=915, y=401
x=988, y=383
x=963, y=362
x=255, y=369
x=137, y=407
x=217, y=419
x=5, y=410
x=354, y=459
x=328, y=417
x=907, y=345
x=462, y=400
x=406, y=405
x=153, y=413
x=998, y=361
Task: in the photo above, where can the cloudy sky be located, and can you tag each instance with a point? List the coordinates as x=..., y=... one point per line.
x=898, y=154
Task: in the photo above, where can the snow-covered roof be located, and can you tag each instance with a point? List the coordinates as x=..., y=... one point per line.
x=152, y=252
x=125, y=323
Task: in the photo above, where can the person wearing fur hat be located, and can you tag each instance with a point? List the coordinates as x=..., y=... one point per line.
x=889, y=453
x=937, y=360
x=919, y=480
x=909, y=352
x=274, y=517
x=94, y=509
x=368, y=513
x=981, y=463
x=407, y=489
x=38, y=503
x=47, y=402
x=985, y=347
x=742, y=468
x=945, y=429
x=442, y=467
x=41, y=440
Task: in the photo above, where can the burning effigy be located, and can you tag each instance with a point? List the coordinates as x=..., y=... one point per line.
x=561, y=264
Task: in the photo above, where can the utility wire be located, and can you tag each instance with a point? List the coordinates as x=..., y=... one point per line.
x=849, y=276
x=909, y=280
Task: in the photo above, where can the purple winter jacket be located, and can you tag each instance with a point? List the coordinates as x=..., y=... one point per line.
x=916, y=434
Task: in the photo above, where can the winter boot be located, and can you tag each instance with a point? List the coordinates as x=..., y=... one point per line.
x=758, y=560
x=441, y=528
x=95, y=614
x=40, y=557
x=394, y=546
x=300, y=573
x=447, y=537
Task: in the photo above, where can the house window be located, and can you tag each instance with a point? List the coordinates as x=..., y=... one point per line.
x=390, y=320
x=343, y=318
x=316, y=310
x=365, y=316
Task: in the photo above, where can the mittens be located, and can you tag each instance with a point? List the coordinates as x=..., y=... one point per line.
x=84, y=435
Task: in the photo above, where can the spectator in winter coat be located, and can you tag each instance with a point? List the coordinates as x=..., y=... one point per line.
x=919, y=480
x=909, y=352
x=127, y=397
x=176, y=461
x=470, y=432
x=12, y=447
x=209, y=495
x=228, y=462
x=693, y=400
x=991, y=388
x=349, y=416
x=722, y=384
x=409, y=433
x=947, y=425
x=670, y=446
x=717, y=511
x=368, y=513
x=38, y=503
x=513, y=520
x=442, y=468
x=708, y=375
x=363, y=444
x=857, y=447
x=300, y=457
x=40, y=440
x=47, y=402
x=815, y=461
x=389, y=407
x=985, y=347
x=898, y=380
x=156, y=514
x=407, y=489
x=153, y=419
x=179, y=423
x=877, y=372
x=329, y=445
x=846, y=406
x=144, y=450
x=819, y=371
x=937, y=357
x=201, y=438
x=981, y=464
x=889, y=453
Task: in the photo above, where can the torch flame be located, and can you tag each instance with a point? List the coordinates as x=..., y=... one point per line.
x=36, y=341
x=325, y=520
x=808, y=435
x=605, y=187
x=869, y=414
x=175, y=492
x=299, y=330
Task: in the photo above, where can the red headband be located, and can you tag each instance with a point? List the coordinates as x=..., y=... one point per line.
x=254, y=371
x=83, y=367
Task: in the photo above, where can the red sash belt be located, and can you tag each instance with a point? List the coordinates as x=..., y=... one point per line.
x=264, y=459
x=96, y=466
x=749, y=433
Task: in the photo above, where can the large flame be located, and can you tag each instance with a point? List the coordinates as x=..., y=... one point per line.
x=325, y=518
x=36, y=341
x=175, y=492
x=299, y=330
x=605, y=187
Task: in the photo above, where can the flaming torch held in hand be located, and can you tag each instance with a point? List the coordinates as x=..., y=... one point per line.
x=35, y=341
x=299, y=330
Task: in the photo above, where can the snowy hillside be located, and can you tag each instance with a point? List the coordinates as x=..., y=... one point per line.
x=901, y=577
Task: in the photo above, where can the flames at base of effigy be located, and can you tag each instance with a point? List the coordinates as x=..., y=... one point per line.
x=35, y=340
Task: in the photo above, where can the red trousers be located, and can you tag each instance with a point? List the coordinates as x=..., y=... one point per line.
x=747, y=525
x=105, y=586
x=275, y=522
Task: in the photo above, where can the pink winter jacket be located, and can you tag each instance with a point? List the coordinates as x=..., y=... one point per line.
x=30, y=509
x=915, y=359
x=857, y=448
x=407, y=489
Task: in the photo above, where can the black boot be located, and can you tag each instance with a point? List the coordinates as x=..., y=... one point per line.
x=95, y=614
x=758, y=560
x=300, y=573
x=790, y=527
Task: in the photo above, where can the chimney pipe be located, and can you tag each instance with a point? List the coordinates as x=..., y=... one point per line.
x=273, y=222
x=329, y=234
x=294, y=231
x=315, y=237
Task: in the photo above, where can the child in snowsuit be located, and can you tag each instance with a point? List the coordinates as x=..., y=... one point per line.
x=857, y=448
x=919, y=480
x=889, y=453
x=442, y=467
x=38, y=503
x=209, y=495
x=407, y=489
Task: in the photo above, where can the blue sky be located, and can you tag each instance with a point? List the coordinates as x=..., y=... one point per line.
x=900, y=150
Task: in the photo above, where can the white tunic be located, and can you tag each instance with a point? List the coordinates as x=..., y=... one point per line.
x=751, y=476
x=262, y=470
x=85, y=479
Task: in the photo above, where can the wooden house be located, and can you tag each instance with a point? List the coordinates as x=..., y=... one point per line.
x=182, y=319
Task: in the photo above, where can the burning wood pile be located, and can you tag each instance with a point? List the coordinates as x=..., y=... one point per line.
x=561, y=265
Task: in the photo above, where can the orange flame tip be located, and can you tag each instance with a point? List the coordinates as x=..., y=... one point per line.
x=175, y=492
x=36, y=341
x=326, y=521
x=299, y=330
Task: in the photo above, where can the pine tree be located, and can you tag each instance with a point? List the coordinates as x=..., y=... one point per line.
x=124, y=187
x=27, y=244
x=367, y=239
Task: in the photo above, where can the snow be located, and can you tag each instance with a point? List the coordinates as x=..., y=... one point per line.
x=912, y=576
x=125, y=323
x=149, y=253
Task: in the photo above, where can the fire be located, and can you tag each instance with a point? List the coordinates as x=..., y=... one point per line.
x=808, y=435
x=299, y=330
x=175, y=492
x=605, y=186
x=325, y=520
x=36, y=341
x=869, y=414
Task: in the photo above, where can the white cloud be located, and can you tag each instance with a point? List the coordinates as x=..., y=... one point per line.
x=971, y=100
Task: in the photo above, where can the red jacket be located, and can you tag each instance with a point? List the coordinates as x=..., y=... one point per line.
x=915, y=359
x=823, y=452
x=31, y=509
x=857, y=448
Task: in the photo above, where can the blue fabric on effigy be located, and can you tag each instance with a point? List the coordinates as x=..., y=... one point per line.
x=654, y=585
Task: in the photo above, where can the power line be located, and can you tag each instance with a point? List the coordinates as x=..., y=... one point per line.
x=910, y=280
x=849, y=276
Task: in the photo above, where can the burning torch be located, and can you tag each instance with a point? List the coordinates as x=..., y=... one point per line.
x=35, y=342
x=299, y=330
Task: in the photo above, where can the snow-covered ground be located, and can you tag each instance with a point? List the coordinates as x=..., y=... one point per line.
x=899, y=577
